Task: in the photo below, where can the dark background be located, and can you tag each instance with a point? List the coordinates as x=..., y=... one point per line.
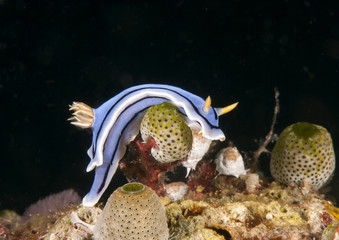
x=54, y=52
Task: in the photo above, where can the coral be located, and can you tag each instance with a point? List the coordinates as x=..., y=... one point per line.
x=133, y=211
x=252, y=182
x=7, y=219
x=270, y=137
x=140, y=166
x=273, y=212
x=35, y=227
x=4, y=232
x=201, y=179
x=303, y=150
x=176, y=190
x=64, y=227
x=53, y=203
x=334, y=211
x=230, y=162
x=227, y=210
x=55, y=226
x=166, y=125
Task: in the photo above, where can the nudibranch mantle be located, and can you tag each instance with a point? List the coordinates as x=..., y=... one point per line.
x=117, y=122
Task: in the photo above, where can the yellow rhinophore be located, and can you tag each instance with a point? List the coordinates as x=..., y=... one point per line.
x=221, y=111
x=207, y=104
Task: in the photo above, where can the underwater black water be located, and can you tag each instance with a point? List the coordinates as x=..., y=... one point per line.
x=54, y=52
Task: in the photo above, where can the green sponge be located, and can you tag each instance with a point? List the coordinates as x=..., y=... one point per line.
x=167, y=126
x=303, y=150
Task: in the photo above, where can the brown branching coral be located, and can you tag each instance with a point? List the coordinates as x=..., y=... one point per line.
x=270, y=135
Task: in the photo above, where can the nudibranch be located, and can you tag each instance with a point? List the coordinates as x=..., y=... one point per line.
x=117, y=122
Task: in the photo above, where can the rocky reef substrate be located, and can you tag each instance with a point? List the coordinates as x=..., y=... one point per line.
x=237, y=208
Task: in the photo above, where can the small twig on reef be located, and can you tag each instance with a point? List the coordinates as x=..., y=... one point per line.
x=262, y=148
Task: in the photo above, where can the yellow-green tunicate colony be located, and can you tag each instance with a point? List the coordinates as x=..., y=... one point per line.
x=303, y=150
x=133, y=211
x=167, y=126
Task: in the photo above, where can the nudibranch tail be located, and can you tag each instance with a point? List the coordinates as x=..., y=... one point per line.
x=98, y=186
x=82, y=116
x=221, y=111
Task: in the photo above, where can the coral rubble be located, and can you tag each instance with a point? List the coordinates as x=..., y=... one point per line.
x=233, y=208
x=273, y=212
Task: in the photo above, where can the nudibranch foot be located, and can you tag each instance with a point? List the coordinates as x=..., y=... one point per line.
x=83, y=115
x=99, y=185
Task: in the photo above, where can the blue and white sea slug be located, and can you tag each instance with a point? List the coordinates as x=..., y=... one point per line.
x=117, y=122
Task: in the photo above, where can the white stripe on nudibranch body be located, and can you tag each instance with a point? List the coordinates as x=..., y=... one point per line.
x=117, y=122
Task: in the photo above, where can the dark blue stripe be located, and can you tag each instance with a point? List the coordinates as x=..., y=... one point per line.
x=135, y=90
x=116, y=147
